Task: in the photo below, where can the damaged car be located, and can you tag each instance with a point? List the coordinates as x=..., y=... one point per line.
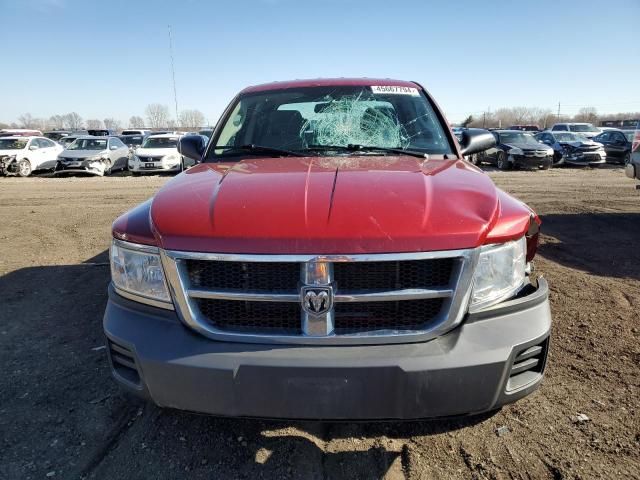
x=22, y=155
x=573, y=148
x=93, y=156
x=517, y=149
x=331, y=256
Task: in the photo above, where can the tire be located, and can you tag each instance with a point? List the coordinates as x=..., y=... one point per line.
x=107, y=167
x=626, y=160
x=24, y=168
x=546, y=166
x=502, y=161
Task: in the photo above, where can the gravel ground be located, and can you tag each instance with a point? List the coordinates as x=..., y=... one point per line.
x=62, y=416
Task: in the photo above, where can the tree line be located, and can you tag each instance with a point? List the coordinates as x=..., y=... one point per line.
x=544, y=118
x=156, y=116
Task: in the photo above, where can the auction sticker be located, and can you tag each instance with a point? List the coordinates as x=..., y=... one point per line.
x=395, y=90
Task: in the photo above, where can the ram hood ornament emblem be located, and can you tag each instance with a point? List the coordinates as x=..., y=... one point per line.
x=316, y=300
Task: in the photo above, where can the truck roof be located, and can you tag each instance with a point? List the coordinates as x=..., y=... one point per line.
x=326, y=82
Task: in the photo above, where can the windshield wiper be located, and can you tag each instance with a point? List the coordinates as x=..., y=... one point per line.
x=257, y=149
x=366, y=148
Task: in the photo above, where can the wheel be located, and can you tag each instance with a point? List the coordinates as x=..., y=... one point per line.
x=626, y=160
x=503, y=163
x=475, y=159
x=546, y=166
x=135, y=174
x=24, y=168
x=107, y=166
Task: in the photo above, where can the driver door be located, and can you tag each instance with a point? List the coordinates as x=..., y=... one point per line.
x=491, y=154
x=50, y=151
x=617, y=146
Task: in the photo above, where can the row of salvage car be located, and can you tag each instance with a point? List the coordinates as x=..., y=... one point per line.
x=546, y=149
x=93, y=155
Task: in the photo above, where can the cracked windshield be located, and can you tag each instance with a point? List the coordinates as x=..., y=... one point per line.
x=323, y=121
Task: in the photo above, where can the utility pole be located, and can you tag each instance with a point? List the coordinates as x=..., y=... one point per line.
x=558, y=111
x=173, y=73
x=484, y=119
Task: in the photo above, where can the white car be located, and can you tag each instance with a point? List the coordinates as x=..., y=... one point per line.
x=23, y=155
x=158, y=153
x=585, y=129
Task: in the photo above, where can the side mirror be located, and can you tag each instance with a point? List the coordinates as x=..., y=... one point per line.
x=34, y=147
x=113, y=147
x=191, y=147
x=475, y=140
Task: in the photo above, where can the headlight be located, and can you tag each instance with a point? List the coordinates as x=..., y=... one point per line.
x=515, y=151
x=137, y=270
x=500, y=273
x=95, y=158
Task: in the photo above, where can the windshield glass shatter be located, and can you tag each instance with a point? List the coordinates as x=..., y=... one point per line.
x=350, y=120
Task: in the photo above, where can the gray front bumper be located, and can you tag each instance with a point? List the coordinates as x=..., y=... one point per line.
x=468, y=370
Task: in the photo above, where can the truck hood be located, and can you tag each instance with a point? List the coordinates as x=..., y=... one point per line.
x=527, y=146
x=326, y=205
x=156, y=152
x=83, y=153
x=12, y=152
x=582, y=143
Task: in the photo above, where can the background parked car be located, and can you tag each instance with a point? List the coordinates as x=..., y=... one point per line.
x=132, y=140
x=68, y=140
x=56, y=135
x=102, y=132
x=93, y=155
x=207, y=132
x=617, y=144
x=135, y=131
x=525, y=128
x=573, y=148
x=457, y=132
x=159, y=153
x=632, y=169
x=586, y=129
x=19, y=132
x=23, y=155
x=515, y=148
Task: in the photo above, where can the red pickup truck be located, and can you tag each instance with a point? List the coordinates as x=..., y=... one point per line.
x=331, y=256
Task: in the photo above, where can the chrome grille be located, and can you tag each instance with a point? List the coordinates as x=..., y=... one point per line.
x=382, y=298
x=393, y=275
x=257, y=317
x=270, y=277
x=408, y=315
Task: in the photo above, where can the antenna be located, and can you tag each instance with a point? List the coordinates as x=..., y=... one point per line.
x=173, y=73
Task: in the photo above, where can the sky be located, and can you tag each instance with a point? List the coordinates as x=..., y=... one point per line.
x=107, y=59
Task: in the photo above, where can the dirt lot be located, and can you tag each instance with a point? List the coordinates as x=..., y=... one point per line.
x=62, y=416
